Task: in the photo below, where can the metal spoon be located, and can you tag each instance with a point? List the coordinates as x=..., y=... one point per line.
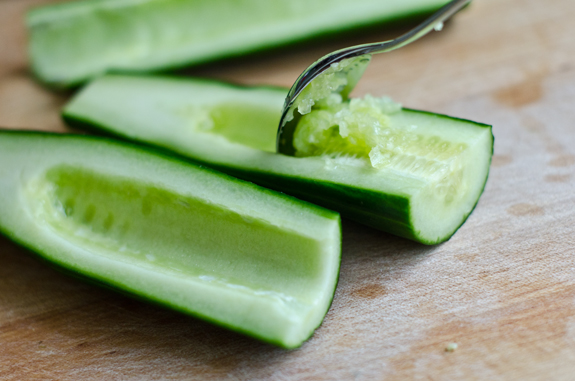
x=356, y=59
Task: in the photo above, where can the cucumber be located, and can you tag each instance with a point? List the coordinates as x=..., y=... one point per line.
x=233, y=129
x=74, y=41
x=186, y=237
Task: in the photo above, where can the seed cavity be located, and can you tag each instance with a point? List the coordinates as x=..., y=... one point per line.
x=345, y=132
x=89, y=213
x=146, y=206
x=108, y=222
x=69, y=206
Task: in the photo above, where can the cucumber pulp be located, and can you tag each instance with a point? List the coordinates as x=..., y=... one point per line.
x=361, y=131
x=187, y=237
x=332, y=86
x=74, y=41
x=400, y=195
x=359, y=128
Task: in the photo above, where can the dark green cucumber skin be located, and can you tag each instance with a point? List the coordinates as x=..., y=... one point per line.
x=381, y=211
x=278, y=47
x=385, y=212
x=95, y=280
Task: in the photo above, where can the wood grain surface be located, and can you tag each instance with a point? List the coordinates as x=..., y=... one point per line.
x=503, y=288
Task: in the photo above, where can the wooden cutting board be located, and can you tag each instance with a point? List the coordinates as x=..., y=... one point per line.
x=503, y=288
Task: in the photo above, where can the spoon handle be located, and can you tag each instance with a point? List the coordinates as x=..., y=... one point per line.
x=435, y=21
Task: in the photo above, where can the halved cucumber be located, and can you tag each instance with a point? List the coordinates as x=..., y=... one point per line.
x=78, y=40
x=233, y=129
x=190, y=238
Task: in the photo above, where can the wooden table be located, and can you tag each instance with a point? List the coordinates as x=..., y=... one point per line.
x=503, y=288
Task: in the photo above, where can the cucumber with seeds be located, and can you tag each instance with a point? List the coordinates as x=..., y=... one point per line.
x=74, y=41
x=233, y=129
x=187, y=237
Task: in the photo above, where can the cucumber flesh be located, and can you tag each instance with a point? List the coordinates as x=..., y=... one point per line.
x=74, y=41
x=332, y=86
x=397, y=198
x=187, y=237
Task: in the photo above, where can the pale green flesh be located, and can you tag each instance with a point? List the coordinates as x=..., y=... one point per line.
x=213, y=246
x=148, y=109
x=230, y=120
x=158, y=227
x=74, y=41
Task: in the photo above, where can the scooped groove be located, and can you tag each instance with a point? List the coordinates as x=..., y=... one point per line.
x=190, y=238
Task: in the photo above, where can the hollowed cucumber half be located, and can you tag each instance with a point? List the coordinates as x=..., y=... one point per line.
x=424, y=192
x=187, y=237
x=77, y=40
